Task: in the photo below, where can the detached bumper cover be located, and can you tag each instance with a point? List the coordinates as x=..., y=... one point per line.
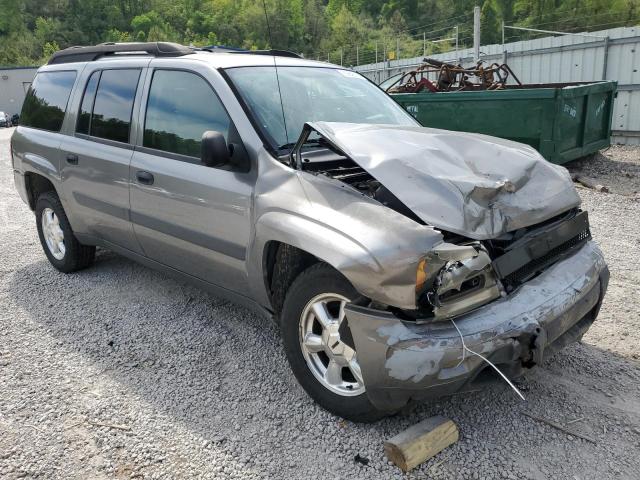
x=402, y=361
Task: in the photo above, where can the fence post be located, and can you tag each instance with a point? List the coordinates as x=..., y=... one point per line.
x=384, y=59
x=456, y=41
x=357, y=55
x=398, y=48
x=424, y=44
x=340, y=56
x=504, y=50
x=605, y=59
x=376, y=51
x=476, y=33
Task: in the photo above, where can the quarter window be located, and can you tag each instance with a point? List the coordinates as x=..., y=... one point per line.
x=46, y=101
x=84, y=116
x=181, y=107
x=111, y=118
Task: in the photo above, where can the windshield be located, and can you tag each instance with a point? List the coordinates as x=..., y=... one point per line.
x=311, y=94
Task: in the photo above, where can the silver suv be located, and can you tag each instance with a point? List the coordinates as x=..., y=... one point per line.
x=397, y=260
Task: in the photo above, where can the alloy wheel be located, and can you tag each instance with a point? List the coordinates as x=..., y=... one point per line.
x=333, y=363
x=53, y=234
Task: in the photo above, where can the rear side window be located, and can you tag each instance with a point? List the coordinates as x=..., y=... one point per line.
x=181, y=107
x=46, y=101
x=110, y=117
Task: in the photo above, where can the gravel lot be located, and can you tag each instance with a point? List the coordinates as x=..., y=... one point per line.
x=195, y=387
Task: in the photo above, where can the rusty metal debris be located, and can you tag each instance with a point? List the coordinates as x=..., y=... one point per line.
x=436, y=76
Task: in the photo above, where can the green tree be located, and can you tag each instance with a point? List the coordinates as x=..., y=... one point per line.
x=490, y=27
x=30, y=29
x=353, y=6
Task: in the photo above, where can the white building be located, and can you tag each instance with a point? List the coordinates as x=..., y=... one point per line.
x=14, y=83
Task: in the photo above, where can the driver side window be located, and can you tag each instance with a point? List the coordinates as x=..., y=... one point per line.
x=181, y=107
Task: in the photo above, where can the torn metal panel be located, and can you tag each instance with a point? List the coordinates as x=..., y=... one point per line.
x=402, y=360
x=469, y=184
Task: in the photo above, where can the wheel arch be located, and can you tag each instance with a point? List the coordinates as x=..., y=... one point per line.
x=281, y=264
x=288, y=244
x=36, y=184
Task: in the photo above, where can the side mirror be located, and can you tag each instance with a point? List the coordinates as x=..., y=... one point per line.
x=215, y=151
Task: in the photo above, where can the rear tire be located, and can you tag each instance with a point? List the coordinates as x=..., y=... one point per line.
x=324, y=366
x=60, y=245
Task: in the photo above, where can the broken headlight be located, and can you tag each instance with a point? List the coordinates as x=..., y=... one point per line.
x=454, y=279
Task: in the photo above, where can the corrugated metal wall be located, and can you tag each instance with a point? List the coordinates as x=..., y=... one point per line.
x=14, y=83
x=608, y=54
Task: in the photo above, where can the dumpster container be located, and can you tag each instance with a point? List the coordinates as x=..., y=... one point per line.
x=563, y=121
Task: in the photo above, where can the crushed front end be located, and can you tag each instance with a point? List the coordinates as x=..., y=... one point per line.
x=515, y=300
x=516, y=269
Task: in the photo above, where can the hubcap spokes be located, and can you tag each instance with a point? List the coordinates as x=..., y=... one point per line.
x=53, y=234
x=332, y=362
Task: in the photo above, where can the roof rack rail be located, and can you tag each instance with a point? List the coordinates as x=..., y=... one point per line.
x=222, y=49
x=226, y=49
x=272, y=52
x=89, y=54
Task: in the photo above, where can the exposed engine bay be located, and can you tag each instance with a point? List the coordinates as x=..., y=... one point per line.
x=329, y=161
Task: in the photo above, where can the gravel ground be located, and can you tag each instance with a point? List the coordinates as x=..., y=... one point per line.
x=190, y=386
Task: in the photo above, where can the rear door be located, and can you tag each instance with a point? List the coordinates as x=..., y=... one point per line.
x=96, y=157
x=36, y=142
x=186, y=215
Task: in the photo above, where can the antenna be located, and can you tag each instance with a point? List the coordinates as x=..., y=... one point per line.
x=275, y=65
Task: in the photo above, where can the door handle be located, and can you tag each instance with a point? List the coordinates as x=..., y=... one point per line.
x=72, y=159
x=143, y=177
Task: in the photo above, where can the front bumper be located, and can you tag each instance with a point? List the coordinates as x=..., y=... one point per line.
x=403, y=361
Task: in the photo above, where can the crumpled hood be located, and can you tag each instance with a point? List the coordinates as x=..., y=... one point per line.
x=470, y=184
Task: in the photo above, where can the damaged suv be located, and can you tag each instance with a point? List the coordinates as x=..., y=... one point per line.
x=383, y=249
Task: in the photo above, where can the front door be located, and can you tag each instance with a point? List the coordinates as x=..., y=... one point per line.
x=186, y=215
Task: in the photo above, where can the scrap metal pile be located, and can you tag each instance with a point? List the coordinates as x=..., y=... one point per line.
x=450, y=77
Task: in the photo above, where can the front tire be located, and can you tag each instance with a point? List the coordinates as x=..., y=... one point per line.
x=60, y=245
x=326, y=367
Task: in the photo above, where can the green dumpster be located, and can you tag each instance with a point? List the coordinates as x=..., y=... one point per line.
x=562, y=121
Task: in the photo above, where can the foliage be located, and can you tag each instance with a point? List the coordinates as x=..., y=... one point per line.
x=351, y=30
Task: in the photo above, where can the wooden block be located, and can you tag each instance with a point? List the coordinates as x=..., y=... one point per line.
x=420, y=442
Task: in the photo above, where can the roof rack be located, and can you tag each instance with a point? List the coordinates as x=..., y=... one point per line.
x=89, y=54
x=222, y=48
x=275, y=53
x=226, y=49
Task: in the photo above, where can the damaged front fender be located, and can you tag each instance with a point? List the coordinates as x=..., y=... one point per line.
x=375, y=248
